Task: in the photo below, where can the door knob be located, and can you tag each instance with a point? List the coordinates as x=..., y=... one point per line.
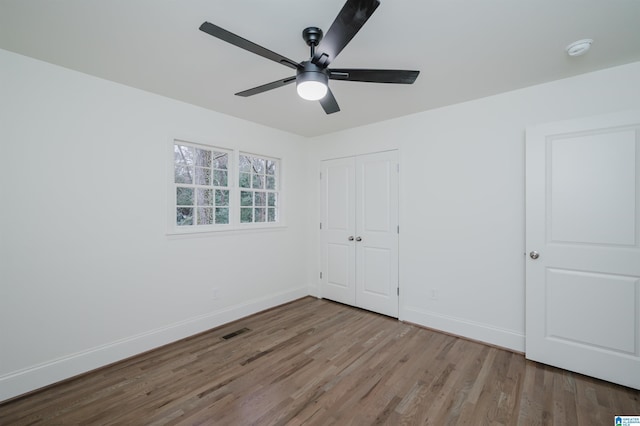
x=350, y=238
x=358, y=239
x=534, y=255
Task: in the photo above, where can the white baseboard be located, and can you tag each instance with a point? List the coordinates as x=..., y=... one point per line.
x=504, y=338
x=312, y=290
x=37, y=376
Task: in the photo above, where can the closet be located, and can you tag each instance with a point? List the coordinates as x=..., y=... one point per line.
x=359, y=231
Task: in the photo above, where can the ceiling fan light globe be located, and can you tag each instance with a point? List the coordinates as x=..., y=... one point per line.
x=311, y=90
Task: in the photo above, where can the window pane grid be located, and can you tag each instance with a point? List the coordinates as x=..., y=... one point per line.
x=258, y=184
x=201, y=185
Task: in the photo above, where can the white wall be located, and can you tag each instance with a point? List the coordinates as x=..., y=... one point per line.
x=462, y=198
x=88, y=275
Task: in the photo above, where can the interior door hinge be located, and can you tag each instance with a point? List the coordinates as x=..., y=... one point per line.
x=320, y=225
x=398, y=289
x=320, y=275
x=398, y=229
x=320, y=175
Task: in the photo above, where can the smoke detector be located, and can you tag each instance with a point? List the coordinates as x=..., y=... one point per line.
x=579, y=47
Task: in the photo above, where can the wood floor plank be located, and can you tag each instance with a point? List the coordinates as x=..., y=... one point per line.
x=316, y=362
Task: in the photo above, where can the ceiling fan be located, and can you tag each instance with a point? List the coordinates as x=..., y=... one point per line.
x=312, y=76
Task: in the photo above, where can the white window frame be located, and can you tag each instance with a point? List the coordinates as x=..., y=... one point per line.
x=234, y=192
x=277, y=191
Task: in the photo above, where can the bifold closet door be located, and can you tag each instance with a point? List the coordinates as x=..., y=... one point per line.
x=359, y=231
x=337, y=230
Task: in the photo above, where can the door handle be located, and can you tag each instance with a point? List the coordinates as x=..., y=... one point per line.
x=534, y=255
x=350, y=238
x=358, y=239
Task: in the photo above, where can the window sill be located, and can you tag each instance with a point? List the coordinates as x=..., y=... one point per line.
x=223, y=229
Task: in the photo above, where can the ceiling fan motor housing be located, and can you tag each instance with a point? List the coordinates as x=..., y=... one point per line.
x=312, y=72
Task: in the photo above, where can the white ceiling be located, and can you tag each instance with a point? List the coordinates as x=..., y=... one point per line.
x=464, y=50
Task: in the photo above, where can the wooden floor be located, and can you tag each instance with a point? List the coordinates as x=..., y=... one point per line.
x=318, y=362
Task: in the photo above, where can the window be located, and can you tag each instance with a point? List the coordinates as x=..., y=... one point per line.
x=215, y=189
x=201, y=185
x=258, y=182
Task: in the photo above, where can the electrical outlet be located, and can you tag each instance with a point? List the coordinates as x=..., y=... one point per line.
x=214, y=294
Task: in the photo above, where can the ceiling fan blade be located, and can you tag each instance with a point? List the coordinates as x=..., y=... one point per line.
x=351, y=18
x=245, y=44
x=329, y=103
x=374, y=76
x=268, y=86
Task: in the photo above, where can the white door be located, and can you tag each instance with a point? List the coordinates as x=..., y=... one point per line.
x=583, y=246
x=338, y=230
x=359, y=255
x=377, y=232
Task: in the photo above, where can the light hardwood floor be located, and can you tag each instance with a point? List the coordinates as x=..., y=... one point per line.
x=318, y=362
